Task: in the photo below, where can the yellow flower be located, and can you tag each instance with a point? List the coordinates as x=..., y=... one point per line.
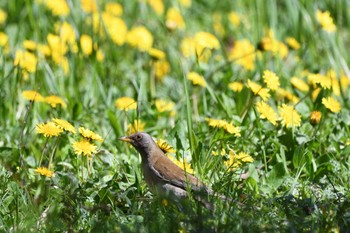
x=234, y=18
x=231, y=129
x=115, y=27
x=299, y=84
x=332, y=104
x=32, y=96
x=100, y=55
x=282, y=93
x=86, y=44
x=84, y=147
x=165, y=147
x=54, y=100
x=136, y=126
x=44, y=50
x=156, y=54
x=65, y=125
x=174, y=19
x=236, y=160
x=126, y=103
x=315, y=93
x=222, y=124
x=196, y=79
x=290, y=117
x=184, y=165
x=88, y=134
x=140, y=38
x=217, y=25
x=89, y=6
x=157, y=6
x=49, y=129
x=67, y=35
x=293, y=43
x=164, y=105
x=29, y=45
x=25, y=60
x=206, y=40
x=236, y=86
x=58, y=7
x=185, y=3
x=45, y=172
x=324, y=81
x=315, y=117
x=187, y=46
x=269, y=43
x=326, y=21
x=3, y=16
x=162, y=68
x=259, y=90
x=114, y=9
x=271, y=80
x=243, y=53
x=3, y=39
x=267, y=112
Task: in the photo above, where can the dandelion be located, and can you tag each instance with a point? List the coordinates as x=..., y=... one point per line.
x=3, y=16
x=86, y=44
x=234, y=18
x=164, y=105
x=174, y=19
x=293, y=43
x=332, y=104
x=165, y=147
x=196, y=79
x=140, y=38
x=114, y=9
x=206, y=40
x=88, y=134
x=25, y=60
x=271, y=80
x=267, y=112
x=115, y=27
x=45, y=172
x=89, y=6
x=326, y=21
x=259, y=90
x=324, y=81
x=162, y=68
x=236, y=86
x=49, y=129
x=3, y=39
x=244, y=157
x=32, y=96
x=54, y=100
x=282, y=93
x=222, y=124
x=136, y=126
x=157, y=6
x=184, y=165
x=65, y=125
x=84, y=147
x=290, y=117
x=315, y=117
x=299, y=84
x=29, y=45
x=126, y=103
x=58, y=7
x=243, y=54
x=156, y=54
x=236, y=160
x=185, y=3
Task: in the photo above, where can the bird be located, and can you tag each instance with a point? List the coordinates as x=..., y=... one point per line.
x=162, y=175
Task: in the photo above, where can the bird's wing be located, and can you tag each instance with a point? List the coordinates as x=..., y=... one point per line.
x=174, y=174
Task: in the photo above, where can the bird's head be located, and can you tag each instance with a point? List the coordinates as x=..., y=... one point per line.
x=142, y=142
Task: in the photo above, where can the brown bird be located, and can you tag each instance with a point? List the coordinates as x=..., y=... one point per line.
x=162, y=175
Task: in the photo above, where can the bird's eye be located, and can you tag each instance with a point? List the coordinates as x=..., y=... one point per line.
x=138, y=137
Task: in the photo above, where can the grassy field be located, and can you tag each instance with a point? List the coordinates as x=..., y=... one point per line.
x=250, y=96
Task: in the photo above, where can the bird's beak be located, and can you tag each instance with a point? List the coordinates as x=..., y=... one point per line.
x=125, y=139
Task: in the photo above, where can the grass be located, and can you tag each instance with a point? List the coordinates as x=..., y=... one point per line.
x=298, y=181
